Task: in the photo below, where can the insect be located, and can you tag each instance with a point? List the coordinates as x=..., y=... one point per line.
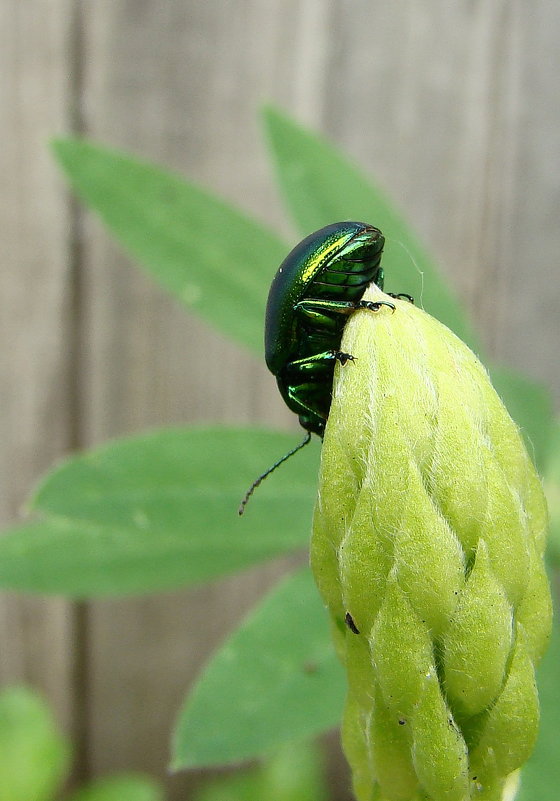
x=349, y=620
x=317, y=286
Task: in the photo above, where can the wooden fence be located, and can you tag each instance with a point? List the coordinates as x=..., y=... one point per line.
x=452, y=106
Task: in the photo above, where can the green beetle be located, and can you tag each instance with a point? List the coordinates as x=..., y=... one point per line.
x=317, y=286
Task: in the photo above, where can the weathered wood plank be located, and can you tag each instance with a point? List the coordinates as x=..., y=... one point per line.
x=428, y=98
x=438, y=100
x=529, y=330
x=147, y=362
x=453, y=108
x=35, y=318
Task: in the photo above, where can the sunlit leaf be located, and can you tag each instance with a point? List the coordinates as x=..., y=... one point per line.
x=159, y=510
x=320, y=186
x=274, y=680
x=211, y=256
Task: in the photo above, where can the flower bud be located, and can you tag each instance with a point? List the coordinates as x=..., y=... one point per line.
x=427, y=548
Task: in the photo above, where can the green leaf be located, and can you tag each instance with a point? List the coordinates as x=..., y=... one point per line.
x=321, y=185
x=121, y=788
x=33, y=755
x=552, y=490
x=208, y=254
x=530, y=405
x=274, y=680
x=540, y=778
x=295, y=773
x=243, y=785
x=159, y=511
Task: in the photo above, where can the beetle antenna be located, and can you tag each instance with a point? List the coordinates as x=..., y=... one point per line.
x=256, y=483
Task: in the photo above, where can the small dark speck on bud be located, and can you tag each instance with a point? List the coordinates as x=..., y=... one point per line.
x=349, y=620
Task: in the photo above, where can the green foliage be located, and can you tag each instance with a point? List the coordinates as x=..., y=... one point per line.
x=552, y=489
x=206, y=253
x=321, y=185
x=170, y=226
x=120, y=788
x=159, y=511
x=281, y=653
x=530, y=405
x=35, y=758
x=540, y=778
x=294, y=773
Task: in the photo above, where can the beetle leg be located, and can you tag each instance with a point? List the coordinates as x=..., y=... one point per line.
x=316, y=363
x=316, y=304
x=301, y=407
x=320, y=312
x=375, y=305
x=401, y=296
x=342, y=357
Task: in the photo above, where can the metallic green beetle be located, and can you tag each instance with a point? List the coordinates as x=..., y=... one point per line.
x=318, y=285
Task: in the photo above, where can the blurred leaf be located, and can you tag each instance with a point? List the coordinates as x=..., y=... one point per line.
x=295, y=773
x=207, y=253
x=121, y=788
x=540, y=778
x=552, y=491
x=242, y=785
x=276, y=679
x=170, y=226
x=159, y=511
x=530, y=405
x=321, y=185
x=33, y=756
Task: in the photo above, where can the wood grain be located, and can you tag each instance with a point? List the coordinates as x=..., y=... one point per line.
x=36, y=320
x=451, y=106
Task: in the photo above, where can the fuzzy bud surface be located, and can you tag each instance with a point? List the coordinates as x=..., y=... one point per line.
x=428, y=541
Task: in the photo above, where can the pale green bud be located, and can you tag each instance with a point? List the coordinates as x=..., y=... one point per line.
x=428, y=543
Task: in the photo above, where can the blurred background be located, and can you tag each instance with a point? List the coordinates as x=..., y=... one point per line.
x=452, y=107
